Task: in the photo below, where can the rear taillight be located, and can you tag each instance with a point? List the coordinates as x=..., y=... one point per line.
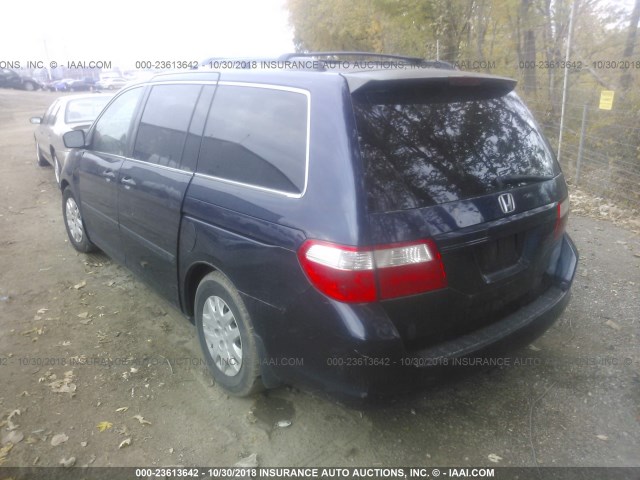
x=352, y=274
x=562, y=214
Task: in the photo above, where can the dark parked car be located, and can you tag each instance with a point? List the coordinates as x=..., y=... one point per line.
x=12, y=79
x=71, y=85
x=343, y=230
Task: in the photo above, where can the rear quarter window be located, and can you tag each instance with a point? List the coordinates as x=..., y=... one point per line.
x=257, y=136
x=419, y=151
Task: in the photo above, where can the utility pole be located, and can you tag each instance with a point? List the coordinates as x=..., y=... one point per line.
x=566, y=75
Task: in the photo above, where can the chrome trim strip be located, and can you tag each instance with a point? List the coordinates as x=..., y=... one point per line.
x=164, y=167
x=255, y=187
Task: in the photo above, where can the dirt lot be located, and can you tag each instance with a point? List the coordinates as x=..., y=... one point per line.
x=84, y=326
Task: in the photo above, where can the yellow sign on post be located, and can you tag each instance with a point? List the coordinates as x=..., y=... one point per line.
x=606, y=99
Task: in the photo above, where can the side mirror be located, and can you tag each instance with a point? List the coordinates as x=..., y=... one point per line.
x=36, y=120
x=74, y=139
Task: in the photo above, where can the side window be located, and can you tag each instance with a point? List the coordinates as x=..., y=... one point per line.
x=256, y=136
x=47, y=115
x=111, y=132
x=164, y=124
x=54, y=115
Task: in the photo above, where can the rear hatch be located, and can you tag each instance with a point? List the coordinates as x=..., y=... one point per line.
x=459, y=159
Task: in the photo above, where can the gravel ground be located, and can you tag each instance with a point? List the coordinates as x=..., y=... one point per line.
x=91, y=358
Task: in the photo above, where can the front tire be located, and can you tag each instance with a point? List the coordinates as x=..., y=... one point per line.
x=74, y=224
x=40, y=160
x=57, y=169
x=226, y=336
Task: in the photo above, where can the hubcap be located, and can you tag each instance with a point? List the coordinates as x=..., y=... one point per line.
x=222, y=336
x=74, y=221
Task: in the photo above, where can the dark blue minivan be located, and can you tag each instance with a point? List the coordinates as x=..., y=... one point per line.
x=341, y=229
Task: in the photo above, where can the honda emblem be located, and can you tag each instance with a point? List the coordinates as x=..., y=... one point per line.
x=507, y=204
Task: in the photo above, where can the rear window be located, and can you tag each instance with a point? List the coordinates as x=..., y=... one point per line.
x=82, y=111
x=418, y=151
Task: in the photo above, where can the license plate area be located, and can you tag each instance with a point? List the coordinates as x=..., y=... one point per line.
x=499, y=255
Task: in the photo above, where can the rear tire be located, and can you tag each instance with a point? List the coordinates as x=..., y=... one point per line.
x=29, y=86
x=226, y=336
x=74, y=224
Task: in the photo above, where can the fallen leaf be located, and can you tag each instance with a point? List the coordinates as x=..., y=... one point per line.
x=83, y=315
x=10, y=424
x=65, y=385
x=125, y=443
x=58, y=439
x=284, y=423
x=29, y=332
x=80, y=285
x=42, y=311
x=248, y=462
x=102, y=426
x=68, y=462
x=612, y=324
x=83, y=444
x=122, y=409
x=111, y=283
x=12, y=437
x=133, y=370
x=4, y=451
x=141, y=419
x=87, y=321
x=602, y=437
x=24, y=394
x=60, y=387
x=494, y=458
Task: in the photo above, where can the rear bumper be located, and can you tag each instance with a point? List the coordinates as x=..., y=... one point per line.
x=354, y=352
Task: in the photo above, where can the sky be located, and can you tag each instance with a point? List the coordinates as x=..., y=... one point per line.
x=124, y=32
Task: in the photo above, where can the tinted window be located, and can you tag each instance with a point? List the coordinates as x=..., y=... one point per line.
x=164, y=124
x=256, y=136
x=418, y=153
x=112, y=129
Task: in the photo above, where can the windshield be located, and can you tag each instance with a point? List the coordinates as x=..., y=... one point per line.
x=418, y=152
x=84, y=110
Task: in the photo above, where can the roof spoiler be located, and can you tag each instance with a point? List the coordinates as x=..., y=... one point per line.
x=474, y=84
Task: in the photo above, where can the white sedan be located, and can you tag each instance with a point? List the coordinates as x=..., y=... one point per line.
x=67, y=113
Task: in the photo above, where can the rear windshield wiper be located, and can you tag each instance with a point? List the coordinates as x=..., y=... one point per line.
x=519, y=180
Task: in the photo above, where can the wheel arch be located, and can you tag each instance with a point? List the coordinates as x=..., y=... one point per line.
x=196, y=272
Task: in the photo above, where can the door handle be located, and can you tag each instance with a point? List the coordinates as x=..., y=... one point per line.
x=109, y=175
x=128, y=181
